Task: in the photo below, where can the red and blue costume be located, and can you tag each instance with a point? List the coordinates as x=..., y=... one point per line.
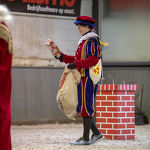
x=87, y=55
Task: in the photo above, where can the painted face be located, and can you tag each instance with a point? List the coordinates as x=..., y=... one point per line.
x=83, y=29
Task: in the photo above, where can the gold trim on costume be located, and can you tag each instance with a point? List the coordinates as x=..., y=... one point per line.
x=82, y=95
x=5, y=35
x=92, y=48
x=85, y=96
x=83, y=54
x=93, y=102
x=99, y=50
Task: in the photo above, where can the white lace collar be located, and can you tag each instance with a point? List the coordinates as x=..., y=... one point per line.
x=86, y=36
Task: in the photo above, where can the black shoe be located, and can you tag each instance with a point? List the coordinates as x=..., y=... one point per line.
x=81, y=141
x=95, y=138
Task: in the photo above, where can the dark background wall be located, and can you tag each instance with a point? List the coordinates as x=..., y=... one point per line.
x=34, y=91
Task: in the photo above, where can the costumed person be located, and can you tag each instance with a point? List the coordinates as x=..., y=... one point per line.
x=6, y=49
x=87, y=55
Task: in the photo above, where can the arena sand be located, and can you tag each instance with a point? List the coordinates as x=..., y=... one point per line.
x=59, y=136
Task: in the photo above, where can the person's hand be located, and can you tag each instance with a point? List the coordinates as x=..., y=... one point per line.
x=60, y=58
x=71, y=66
x=54, y=49
x=79, y=114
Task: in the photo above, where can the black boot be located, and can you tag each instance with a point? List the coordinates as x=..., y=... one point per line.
x=96, y=133
x=86, y=131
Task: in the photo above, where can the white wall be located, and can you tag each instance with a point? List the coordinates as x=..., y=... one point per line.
x=86, y=7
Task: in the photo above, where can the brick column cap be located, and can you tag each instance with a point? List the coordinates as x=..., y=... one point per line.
x=117, y=87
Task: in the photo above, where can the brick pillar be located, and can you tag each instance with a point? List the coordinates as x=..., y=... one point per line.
x=115, y=111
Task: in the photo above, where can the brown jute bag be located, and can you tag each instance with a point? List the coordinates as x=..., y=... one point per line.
x=67, y=96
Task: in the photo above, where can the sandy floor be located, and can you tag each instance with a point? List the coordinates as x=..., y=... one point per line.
x=58, y=137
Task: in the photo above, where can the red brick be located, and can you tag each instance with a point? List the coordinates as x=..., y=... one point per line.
x=126, y=120
x=113, y=120
x=130, y=115
x=113, y=97
x=125, y=97
x=113, y=131
x=126, y=131
x=108, y=137
x=108, y=87
x=98, y=114
x=118, y=87
x=125, y=109
x=111, y=87
x=98, y=125
x=130, y=137
x=136, y=87
x=99, y=120
x=133, y=131
x=100, y=98
x=106, y=114
x=100, y=108
x=106, y=125
x=119, y=103
x=113, y=109
x=118, y=114
x=102, y=87
x=118, y=92
x=106, y=92
x=130, y=92
x=130, y=125
x=132, y=97
x=130, y=103
x=133, y=120
x=115, y=87
x=119, y=137
x=127, y=86
x=106, y=103
x=118, y=126
x=103, y=131
x=97, y=103
x=123, y=87
x=132, y=109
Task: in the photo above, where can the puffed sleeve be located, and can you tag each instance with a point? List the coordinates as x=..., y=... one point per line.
x=93, y=48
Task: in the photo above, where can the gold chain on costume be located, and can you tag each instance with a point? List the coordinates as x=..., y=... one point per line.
x=5, y=35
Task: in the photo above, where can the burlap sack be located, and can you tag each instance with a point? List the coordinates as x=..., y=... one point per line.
x=67, y=96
